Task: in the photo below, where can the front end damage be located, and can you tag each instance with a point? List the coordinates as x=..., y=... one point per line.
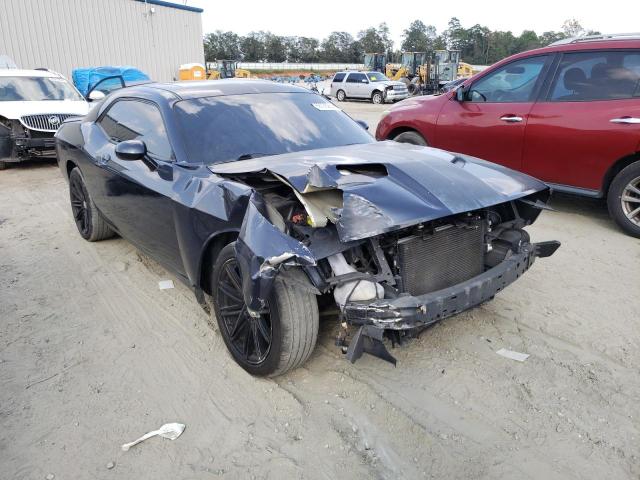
x=395, y=248
x=18, y=143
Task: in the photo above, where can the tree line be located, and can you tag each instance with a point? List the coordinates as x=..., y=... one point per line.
x=478, y=44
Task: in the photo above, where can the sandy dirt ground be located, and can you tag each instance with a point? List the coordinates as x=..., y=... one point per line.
x=93, y=354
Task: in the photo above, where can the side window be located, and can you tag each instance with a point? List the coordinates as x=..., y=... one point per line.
x=600, y=75
x=132, y=119
x=339, y=77
x=514, y=82
x=355, y=77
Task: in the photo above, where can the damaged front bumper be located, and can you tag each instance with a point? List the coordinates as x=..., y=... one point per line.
x=15, y=149
x=407, y=312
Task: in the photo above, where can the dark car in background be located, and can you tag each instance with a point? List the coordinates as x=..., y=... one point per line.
x=273, y=204
x=568, y=114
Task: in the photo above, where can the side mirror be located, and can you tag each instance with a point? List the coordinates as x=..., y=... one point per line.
x=461, y=93
x=363, y=124
x=95, y=95
x=364, y=80
x=131, y=150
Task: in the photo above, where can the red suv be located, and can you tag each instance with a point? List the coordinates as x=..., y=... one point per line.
x=568, y=114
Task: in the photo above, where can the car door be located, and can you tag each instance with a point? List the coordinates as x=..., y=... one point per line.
x=355, y=85
x=589, y=118
x=490, y=121
x=135, y=196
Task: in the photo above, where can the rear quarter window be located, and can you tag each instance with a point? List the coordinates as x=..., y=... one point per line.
x=597, y=75
x=339, y=77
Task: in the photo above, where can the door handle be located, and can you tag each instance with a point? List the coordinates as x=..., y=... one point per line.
x=511, y=119
x=625, y=120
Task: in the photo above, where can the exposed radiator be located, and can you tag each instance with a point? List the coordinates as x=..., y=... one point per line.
x=450, y=255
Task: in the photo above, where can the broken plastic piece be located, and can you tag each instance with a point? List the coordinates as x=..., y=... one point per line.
x=369, y=340
x=168, y=430
x=358, y=290
x=165, y=284
x=517, y=356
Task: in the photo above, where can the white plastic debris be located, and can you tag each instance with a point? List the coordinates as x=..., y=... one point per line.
x=165, y=284
x=168, y=430
x=358, y=290
x=517, y=356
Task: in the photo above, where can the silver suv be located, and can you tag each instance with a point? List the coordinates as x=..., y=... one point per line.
x=372, y=85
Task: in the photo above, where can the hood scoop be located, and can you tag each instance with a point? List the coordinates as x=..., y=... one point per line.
x=373, y=170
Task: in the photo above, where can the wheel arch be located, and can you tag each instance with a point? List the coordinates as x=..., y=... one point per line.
x=616, y=168
x=403, y=129
x=69, y=165
x=212, y=248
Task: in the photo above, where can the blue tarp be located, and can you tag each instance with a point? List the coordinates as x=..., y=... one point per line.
x=86, y=78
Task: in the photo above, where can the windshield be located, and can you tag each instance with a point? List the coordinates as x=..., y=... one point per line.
x=35, y=89
x=377, y=77
x=235, y=127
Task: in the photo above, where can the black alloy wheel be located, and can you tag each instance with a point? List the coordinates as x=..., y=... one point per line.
x=250, y=337
x=88, y=219
x=79, y=205
x=280, y=337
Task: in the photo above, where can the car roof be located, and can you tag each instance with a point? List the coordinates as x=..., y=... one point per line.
x=583, y=44
x=571, y=45
x=15, y=72
x=216, y=88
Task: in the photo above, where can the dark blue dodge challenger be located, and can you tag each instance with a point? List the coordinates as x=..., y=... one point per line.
x=272, y=205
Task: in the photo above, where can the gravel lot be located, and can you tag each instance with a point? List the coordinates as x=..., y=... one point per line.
x=93, y=355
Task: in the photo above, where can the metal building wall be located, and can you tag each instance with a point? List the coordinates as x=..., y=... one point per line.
x=66, y=34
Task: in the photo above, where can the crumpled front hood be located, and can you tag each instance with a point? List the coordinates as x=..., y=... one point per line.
x=387, y=185
x=15, y=110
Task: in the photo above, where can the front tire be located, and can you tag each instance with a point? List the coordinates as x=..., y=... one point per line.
x=88, y=219
x=341, y=96
x=377, y=98
x=411, y=137
x=623, y=199
x=284, y=335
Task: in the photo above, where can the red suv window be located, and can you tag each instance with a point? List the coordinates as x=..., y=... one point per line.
x=598, y=75
x=515, y=82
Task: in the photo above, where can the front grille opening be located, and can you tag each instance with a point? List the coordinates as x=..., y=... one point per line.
x=445, y=256
x=49, y=122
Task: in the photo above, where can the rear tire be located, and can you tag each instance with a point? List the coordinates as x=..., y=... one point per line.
x=411, y=137
x=623, y=199
x=88, y=219
x=341, y=96
x=286, y=332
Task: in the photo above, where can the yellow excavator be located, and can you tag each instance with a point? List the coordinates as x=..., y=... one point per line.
x=227, y=69
x=413, y=71
x=424, y=72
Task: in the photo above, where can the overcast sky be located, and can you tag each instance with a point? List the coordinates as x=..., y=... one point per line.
x=319, y=18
